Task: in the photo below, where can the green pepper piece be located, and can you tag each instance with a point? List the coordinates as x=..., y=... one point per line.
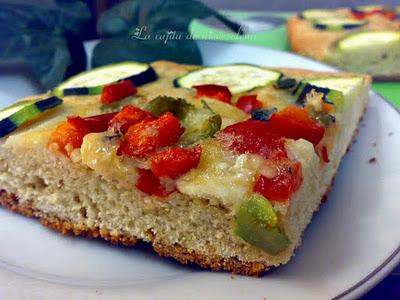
x=177, y=106
x=256, y=223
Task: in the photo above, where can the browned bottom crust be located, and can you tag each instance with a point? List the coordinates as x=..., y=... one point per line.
x=176, y=251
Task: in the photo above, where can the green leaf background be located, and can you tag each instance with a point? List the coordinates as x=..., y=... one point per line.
x=46, y=34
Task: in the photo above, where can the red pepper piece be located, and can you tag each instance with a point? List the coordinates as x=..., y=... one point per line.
x=175, y=162
x=359, y=15
x=99, y=123
x=295, y=123
x=253, y=137
x=248, y=103
x=285, y=180
x=128, y=116
x=322, y=152
x=150, y=184
x=145, y=138
x=72, y=131
x=215, y=91
x=117, y=91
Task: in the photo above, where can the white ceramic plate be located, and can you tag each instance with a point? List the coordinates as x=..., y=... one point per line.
x=352, y=243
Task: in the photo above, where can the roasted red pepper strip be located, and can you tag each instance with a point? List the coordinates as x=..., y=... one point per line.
x=322, y=152
x=150, y=184
x=267, y=139
x=253, y=137
x=128, y=116
x=285, y=178
x=99, y=123
x=248, y=103
x=294, y=122
x=70, y=133
x=117, y=91
x=175, y=162
x=215, y=91
x=74, y=130
x=147, y=137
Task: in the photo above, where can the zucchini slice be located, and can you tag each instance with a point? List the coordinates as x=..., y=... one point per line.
x=368, y=39
x=318, y=14
x=92, y=82
x=237, y=77
x=19, y=113
x=338, y=24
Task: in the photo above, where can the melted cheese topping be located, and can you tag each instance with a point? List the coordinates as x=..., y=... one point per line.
x=221, y=175
x=99, y=152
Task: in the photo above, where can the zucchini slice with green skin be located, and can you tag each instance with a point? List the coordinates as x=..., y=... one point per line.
x=317, y=14
x=238, y=78
x=92, y=82
x=368, y=38
x=256, y=223
x=199, y=123
x=19, y=113
x=339, y=24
